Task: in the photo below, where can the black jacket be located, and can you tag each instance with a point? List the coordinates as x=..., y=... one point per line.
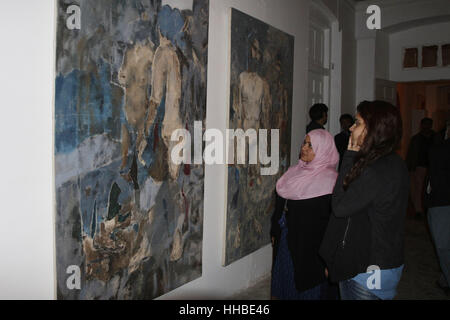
x=306, y=223
x=367, y=224
x=439, y=172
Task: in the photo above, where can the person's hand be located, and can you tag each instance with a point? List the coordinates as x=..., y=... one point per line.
x=353, y=144
x=326, y=272
x=273, y=241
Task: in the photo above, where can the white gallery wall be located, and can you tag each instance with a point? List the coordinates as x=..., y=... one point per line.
x=382, y=57
x=27, y=30
x=348, y=78
x=365, y=66
x=26, y=86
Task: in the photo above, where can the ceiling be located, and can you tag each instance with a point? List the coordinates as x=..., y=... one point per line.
x=417, y=23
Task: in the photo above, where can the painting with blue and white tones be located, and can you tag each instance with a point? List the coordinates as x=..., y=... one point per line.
x=261, y=76
x=128, y=73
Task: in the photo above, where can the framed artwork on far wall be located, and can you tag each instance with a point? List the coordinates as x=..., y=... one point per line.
x=411, y=58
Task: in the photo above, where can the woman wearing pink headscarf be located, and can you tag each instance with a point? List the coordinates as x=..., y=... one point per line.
x=303, y=208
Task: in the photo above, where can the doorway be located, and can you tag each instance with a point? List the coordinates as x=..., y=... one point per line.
x=417, y=100
x=324, y=63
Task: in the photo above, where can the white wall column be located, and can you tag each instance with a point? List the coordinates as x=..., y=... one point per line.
x=365, y=66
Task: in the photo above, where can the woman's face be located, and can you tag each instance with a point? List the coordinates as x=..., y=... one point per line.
x=307, y=153
x=358, y=130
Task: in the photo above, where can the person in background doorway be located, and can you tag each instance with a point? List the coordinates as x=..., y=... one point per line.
x=302, y=210
x=417, y=161
x=319, y=117
x=363, y=245
x=441, y=135
x=341, y=139
x=439, y=206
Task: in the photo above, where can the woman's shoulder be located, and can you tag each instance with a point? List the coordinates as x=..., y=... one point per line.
x=391, y=166
x=392, y=160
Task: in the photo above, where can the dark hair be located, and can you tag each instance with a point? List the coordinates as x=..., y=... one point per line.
x=425, y=121
x=346, y=116
x=317, y=110
x=383, y=135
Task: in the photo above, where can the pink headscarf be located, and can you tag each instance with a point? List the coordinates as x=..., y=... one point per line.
x=312, y=179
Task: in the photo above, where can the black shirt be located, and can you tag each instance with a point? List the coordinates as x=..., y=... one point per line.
x=312, y=126
x=439, y=172
x=418, y=151
x=341, y=141
x=306, y=223
x=367, y=224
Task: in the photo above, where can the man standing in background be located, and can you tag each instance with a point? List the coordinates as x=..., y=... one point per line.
x=341, y=139
x=439, y=206
x=319, y=117
x=417, y=161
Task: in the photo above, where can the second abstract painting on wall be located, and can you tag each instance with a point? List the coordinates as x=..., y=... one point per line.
x=261, y=76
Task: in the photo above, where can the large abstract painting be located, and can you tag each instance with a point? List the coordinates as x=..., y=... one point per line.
x=129, y=222
x=260, y=98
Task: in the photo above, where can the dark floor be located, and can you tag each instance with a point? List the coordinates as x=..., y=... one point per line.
x=421, y=265
x=419, y=277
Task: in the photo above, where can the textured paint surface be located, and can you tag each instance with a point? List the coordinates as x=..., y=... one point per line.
x=261, y=98
x=129, y=219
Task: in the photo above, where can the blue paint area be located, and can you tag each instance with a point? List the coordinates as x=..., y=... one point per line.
x=66, y=132
x=124, y=217
x=233, y=187
x=94, y=220
x=233, y=172
x=148, y=154
x=95, y=188
x=166, y=215
x=142, y=174
x=113, y=235
x=126, y=191
x=84, y=106
x=170, y=25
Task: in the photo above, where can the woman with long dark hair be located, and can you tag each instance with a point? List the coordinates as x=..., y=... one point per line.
x=363, y=243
